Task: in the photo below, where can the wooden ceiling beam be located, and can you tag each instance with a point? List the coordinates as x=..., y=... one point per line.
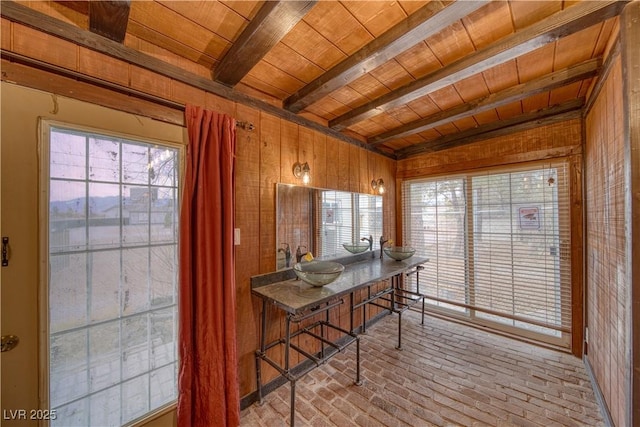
x=109, y=18
x=545, y=83
x=561, y=24
x=422, y=24
x=272, y=22
x=558, y=113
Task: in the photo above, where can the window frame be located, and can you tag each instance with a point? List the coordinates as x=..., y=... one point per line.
x=44, y=131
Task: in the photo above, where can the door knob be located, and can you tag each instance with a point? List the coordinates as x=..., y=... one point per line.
x=9, y=342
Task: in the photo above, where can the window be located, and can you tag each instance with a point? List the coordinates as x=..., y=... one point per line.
x=112, y=283
x=498, y=248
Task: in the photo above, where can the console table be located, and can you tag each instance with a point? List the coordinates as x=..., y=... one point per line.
x=300, y=301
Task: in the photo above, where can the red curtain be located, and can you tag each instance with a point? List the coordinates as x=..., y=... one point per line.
x=208, y=378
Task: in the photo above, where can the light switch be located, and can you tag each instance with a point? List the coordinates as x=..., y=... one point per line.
x=236, y=236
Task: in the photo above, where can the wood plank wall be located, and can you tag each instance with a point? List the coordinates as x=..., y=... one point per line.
x=555, y=141
x=264, y=157
x=606, y=240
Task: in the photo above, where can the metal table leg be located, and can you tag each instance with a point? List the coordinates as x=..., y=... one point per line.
x=263, y=333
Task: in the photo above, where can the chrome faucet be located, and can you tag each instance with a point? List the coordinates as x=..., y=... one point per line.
x=299, y=253
x=382, y=242
x=287, y=254
x=368, y=239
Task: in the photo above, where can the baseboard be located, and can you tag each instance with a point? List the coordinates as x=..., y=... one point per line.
x=602, y=404
x=272, y=385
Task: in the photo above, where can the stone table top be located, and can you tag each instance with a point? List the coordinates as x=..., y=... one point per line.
x=295, y=296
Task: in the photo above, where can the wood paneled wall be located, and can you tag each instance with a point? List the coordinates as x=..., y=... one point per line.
x=612, y=172
x=264, y=157
x=606, y=244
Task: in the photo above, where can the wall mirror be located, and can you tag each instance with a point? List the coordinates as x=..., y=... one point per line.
x=321, y=220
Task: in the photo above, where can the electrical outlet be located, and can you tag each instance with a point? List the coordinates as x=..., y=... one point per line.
x=236, y=236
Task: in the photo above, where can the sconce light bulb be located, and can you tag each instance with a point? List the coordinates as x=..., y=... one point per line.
x=378, y=185
x=302, y=172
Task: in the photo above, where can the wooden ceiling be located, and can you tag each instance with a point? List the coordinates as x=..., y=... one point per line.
x=399, y=77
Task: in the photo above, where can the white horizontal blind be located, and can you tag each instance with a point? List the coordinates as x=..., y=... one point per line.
x=498, y=247
x=336, y=217
x=368, y=217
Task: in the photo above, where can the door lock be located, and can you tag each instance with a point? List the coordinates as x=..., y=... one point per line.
x=9, y=342
x=5, y=251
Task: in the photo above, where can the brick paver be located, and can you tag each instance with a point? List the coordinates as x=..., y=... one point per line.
x=446, y=375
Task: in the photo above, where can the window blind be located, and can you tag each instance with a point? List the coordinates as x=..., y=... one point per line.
x=498, y=244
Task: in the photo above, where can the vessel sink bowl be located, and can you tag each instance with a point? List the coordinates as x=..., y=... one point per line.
x=399, y=253
x=318, y=273
x=356, y=247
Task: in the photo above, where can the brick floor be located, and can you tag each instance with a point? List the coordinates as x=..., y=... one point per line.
x=446, y=375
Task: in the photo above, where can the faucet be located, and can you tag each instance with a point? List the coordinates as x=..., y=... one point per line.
x=382, y=242
x=287, y=254
x=370, y=240
x=299, y=253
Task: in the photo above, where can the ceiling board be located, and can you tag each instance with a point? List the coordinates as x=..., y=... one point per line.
x=577, y=47
x=535, y=102
x=404, y=114
x=158, y=39
x=510, y=110
x=172, y=25
x=246, y=8
x=255, y=80
x=369, y=87
x=501, y=76
x=392, y=75
x=419, y=61
x=289, y=62
x=337, y=25
x=565, y=93
x=211, y=15
x=446, y=98
x=310, y=44
x=411, y=6
x=376, y=17
x=486, y=117
x=471, y=88
x=498, y=15
x=424, y=106
x=347, y=96
x=72, y=12
x=525, y=13
x=451, y=44
x=536, y=63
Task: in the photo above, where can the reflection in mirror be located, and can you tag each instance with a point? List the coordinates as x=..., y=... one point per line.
x=320, y=221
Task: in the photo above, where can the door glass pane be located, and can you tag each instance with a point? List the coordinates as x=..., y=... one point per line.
x=105, y=289
x=113, y=209
x=104, y=215
x=67, y=215
x=104, y=160
x=68, y=291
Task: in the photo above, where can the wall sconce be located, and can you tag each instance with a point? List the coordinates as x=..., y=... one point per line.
x=302, y=171
x=378, y=185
